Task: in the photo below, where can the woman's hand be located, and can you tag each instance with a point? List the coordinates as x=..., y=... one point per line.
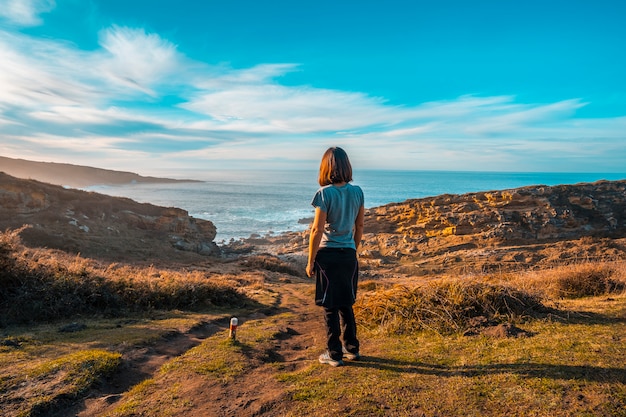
x=310, y=269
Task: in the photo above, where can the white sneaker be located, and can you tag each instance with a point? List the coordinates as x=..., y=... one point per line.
x=351, y=356
x=325, y=358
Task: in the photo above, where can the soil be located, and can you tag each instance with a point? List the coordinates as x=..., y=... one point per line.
x=255, y=393
x=538, y=227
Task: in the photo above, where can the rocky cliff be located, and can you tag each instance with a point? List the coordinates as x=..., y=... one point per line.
x=100, y=226
x=538, y=225
x=529, y=227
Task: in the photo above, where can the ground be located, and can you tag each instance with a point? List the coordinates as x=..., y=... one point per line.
x=258, y=392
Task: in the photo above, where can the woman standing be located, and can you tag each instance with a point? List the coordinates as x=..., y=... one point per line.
x=335, y=236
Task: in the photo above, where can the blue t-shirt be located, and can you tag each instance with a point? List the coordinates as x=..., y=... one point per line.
x=341, y=205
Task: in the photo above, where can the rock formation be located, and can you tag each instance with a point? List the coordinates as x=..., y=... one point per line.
x=500, y=229
x=99, y=226
x=523, y=214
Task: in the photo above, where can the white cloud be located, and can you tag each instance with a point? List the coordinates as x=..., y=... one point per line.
x=101, y=108
x=25, y=12
x=135, y=59
x=222, y=77
x=35, y=74
x=272, y=107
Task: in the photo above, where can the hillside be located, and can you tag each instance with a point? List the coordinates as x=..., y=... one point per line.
x=512, y=303
x=531, y=227
x=75, y=176
x=100, y=226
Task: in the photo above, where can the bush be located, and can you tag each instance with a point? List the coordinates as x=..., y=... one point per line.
x=444, y=306
x=274, y=264
x=44, y=285
x=585, y=280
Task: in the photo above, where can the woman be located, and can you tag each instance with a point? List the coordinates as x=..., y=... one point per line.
x=335, y=236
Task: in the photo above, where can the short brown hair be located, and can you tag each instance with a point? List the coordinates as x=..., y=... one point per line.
x=335, y=167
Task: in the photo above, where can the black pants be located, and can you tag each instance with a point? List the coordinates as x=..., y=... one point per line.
x=340, y=320
x=337, y=272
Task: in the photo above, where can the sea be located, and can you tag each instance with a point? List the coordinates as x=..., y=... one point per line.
x=265, y=203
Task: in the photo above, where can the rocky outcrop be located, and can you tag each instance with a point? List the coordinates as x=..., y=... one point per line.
x=484, y=232
x=524, y=214
x=498, y=230
x=97, y=225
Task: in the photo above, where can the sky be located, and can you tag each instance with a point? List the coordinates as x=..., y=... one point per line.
x=168, y=88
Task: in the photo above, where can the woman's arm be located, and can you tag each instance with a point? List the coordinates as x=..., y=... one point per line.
x=358, y=227
x=317, y=230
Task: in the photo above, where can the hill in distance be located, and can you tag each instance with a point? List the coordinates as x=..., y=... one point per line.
x=75, y=176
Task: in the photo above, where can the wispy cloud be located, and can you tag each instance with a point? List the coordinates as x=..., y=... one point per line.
x=25, y=12
x=137, y=100
x=134, y=59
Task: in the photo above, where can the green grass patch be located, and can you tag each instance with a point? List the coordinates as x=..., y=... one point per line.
x=217, y=357
x=218, y=360
x=567, y=368
x=48, y=384
x=40, y=366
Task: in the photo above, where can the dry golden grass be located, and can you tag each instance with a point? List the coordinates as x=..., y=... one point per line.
x=43, y=285
x=578, y=280
x=413, y=345
x=449, y=304
x=444, y=306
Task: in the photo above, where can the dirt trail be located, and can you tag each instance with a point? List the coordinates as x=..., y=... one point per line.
x=255, y=393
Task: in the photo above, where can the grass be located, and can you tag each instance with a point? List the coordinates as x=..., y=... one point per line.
x=218, y=359
x=444, y=306
x=47, y=384
x=116, y=308
x=416, y=359
x=565, y=369
x=583, y=280
x=42, y=285
x=34, y=358
x=572, y=364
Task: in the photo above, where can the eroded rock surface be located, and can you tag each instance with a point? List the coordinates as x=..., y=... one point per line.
x=97, y=225
x=537, y=225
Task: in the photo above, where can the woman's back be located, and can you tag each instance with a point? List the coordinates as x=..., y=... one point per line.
x=341, y=203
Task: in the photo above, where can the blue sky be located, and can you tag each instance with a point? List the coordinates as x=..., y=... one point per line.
x=172, y=87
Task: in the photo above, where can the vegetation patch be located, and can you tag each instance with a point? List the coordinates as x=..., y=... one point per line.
x=218, y=361
x=585, y=280
x=39, y=285
x=443, y=306
x=567, y=369
x=272, y=263
x=46, y=385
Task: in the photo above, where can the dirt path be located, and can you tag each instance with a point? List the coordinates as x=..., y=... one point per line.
x=256, y=393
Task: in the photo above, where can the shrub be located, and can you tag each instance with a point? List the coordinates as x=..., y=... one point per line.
x=40, y=285
x=271, y=263
x=585, y=280
x=444, y=306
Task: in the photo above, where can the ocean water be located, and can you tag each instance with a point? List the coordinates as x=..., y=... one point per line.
x=243, y=203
